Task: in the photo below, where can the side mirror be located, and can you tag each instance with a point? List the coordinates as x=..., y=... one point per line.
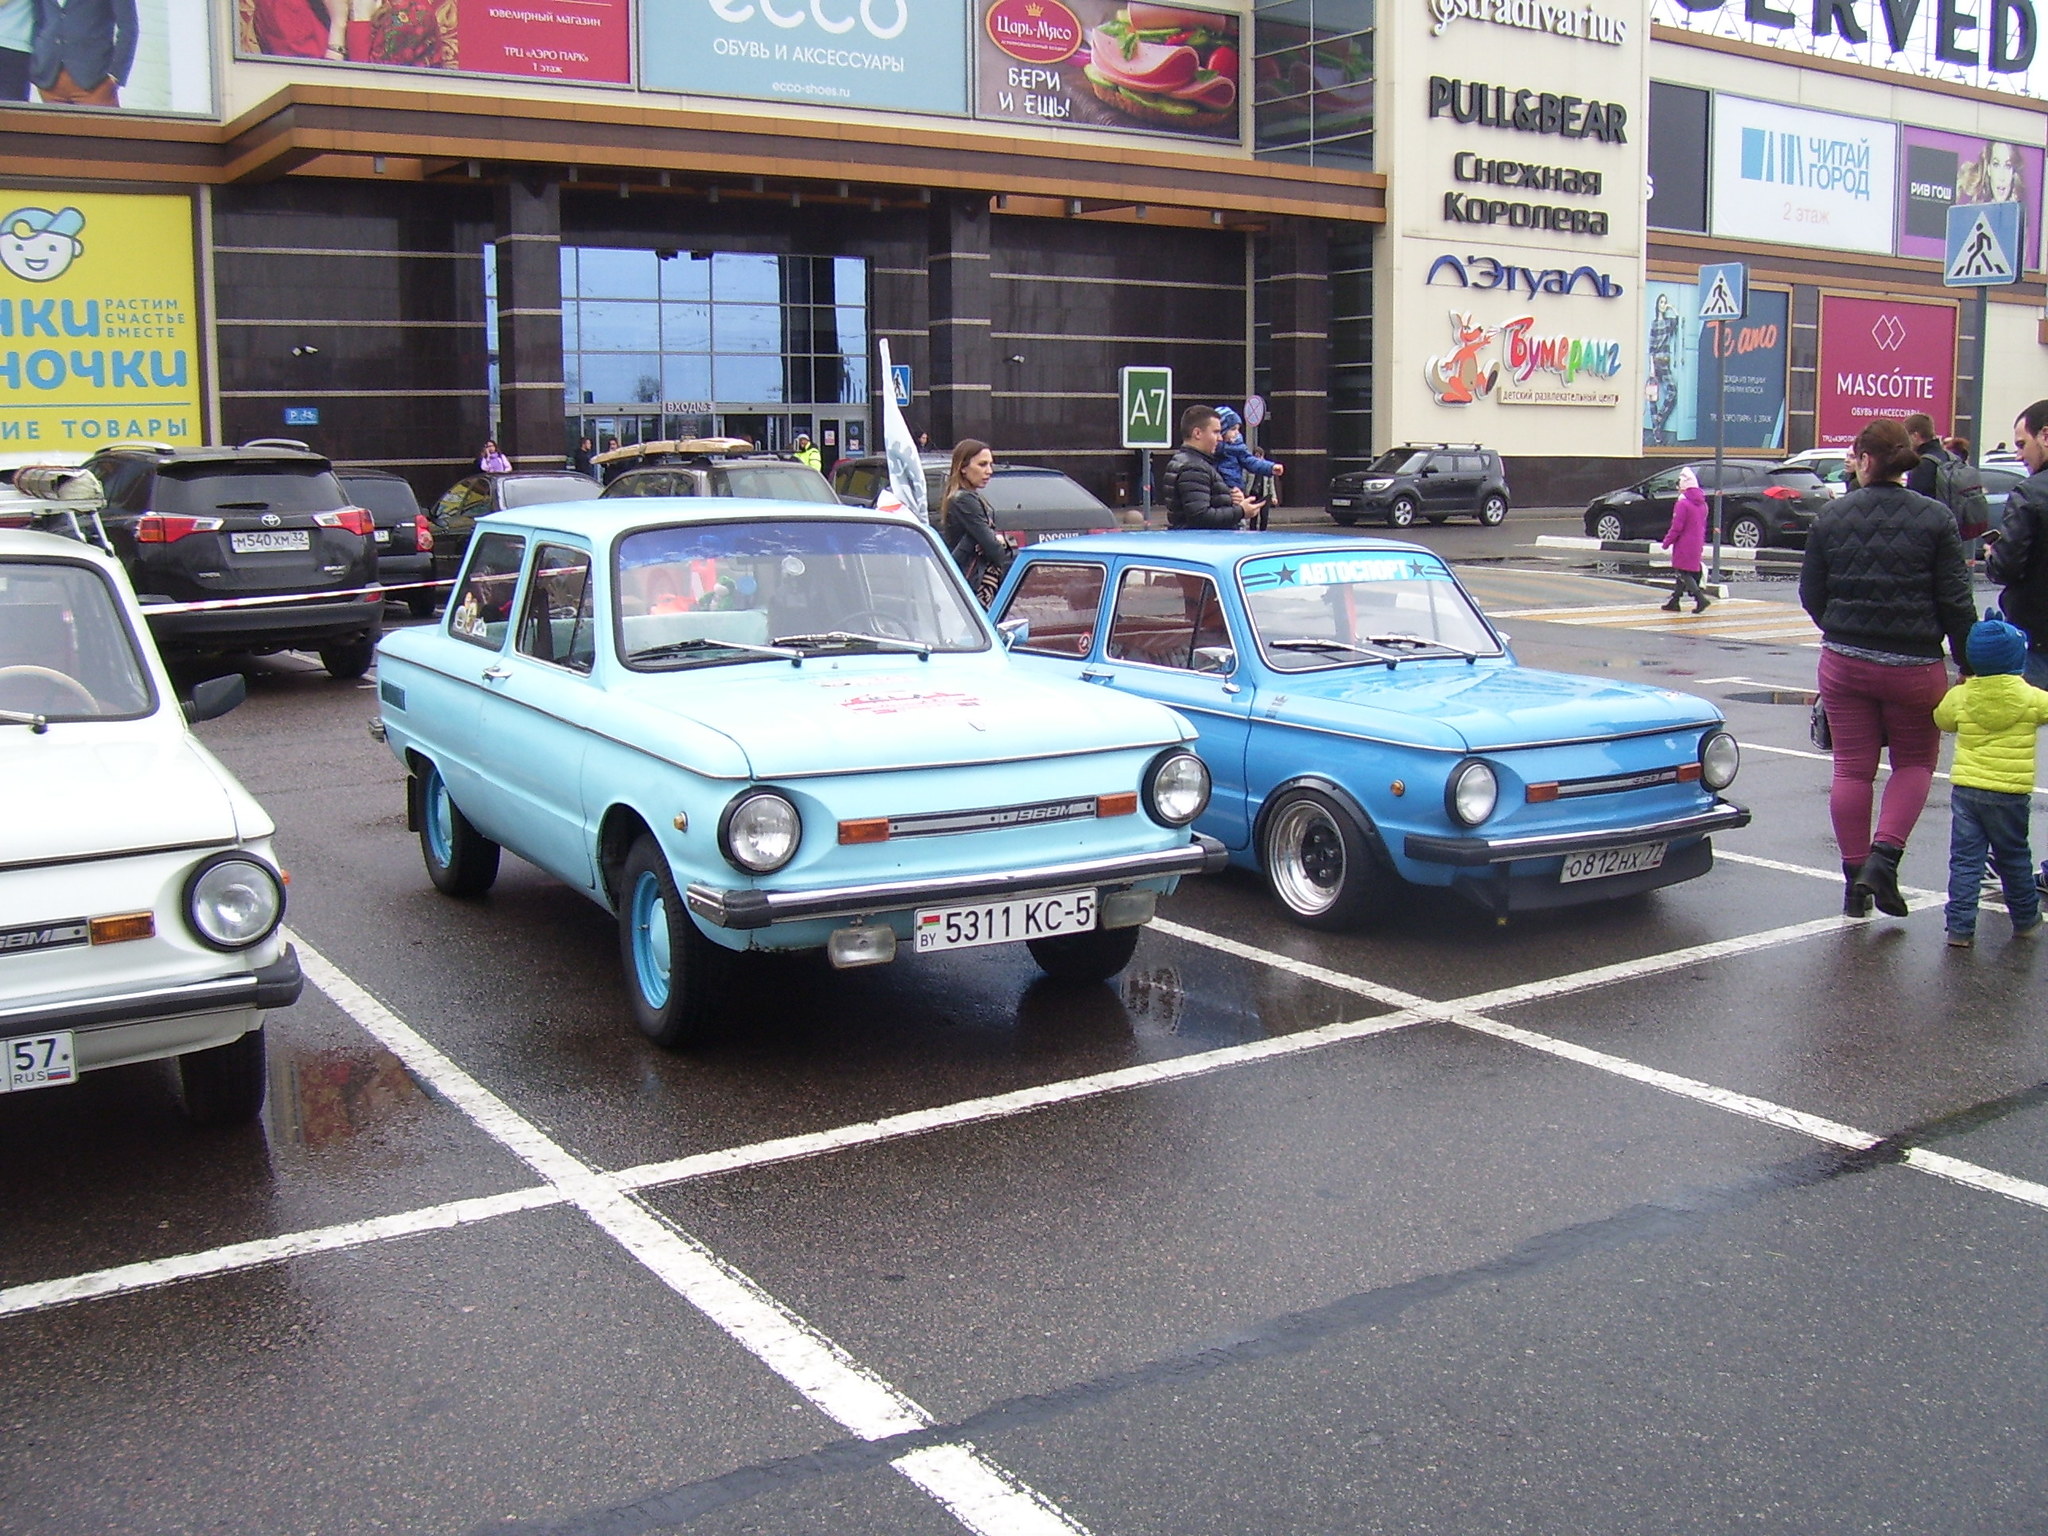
x=1218, y=659
x=1014, y=632
x=215, y=697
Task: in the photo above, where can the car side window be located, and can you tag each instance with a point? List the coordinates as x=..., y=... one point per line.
x=482, y=608
x=1663, y=483
x=126, y=482
x=556, y=623
x=1471, y=464
x=1062, y=600
x=471, y=497
x=1162, y=617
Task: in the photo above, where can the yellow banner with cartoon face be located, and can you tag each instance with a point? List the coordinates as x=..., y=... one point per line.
x=99, y=332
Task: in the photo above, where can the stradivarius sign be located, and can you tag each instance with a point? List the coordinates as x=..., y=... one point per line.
x=1560, y=20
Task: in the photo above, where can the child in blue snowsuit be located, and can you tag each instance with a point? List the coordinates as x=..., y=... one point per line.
x=1235, y=462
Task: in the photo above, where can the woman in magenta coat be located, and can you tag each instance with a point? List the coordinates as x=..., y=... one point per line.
x=1685, y=538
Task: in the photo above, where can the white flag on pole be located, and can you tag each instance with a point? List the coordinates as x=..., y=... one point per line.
x=905, y=491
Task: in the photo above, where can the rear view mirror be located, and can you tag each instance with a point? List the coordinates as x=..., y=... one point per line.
x=215, y=697
x=1218, y=659
x=1014, y=632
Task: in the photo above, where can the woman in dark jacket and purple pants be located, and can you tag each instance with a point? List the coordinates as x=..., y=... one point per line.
x=1884, y=579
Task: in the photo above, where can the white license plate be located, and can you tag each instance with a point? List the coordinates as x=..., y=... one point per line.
x=1602, y=862
x=270, y=538
x=39, y=1061
x=1340, y=501
x=383, y=535
x=1005, y=922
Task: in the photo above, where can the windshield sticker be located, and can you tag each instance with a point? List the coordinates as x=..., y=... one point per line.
x=896, y=702
x=1278, y=571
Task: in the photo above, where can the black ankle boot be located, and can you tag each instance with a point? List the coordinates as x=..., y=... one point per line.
x=1879, y=879
x=1855, y=903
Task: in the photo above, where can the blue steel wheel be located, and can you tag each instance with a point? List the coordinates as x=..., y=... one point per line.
x=677, y=980
x=461, y=861
x=1319, y=863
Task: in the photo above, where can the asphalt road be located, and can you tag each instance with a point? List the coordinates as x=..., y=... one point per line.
x=1704, y=1212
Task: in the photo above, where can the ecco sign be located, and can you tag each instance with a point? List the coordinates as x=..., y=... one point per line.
x=743, y=10
x=1532, y=16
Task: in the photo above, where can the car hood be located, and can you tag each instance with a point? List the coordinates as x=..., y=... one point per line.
x=1482, y=708
x=103, y=789
x=874, y=714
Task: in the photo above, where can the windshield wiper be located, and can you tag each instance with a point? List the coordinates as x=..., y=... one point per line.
x=699, y=643
x=1389, y=657
x=37, y=724
x=843, y=638
x=1417, y=640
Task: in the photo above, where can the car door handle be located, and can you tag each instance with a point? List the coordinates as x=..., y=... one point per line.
x=496, y=674
x=1089, y=676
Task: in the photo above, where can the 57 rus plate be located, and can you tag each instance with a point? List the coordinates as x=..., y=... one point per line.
x=1602, y=862
x=1005, y=922
x=39, y=1061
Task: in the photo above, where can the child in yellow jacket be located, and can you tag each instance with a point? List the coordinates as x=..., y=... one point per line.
x=1995, y=717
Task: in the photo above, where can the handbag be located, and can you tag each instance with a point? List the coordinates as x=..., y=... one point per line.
x=1818, y=728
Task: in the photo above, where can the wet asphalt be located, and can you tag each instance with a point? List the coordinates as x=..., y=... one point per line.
x=1702, y=1231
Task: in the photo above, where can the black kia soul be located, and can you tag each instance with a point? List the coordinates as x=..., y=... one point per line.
x=199, y=524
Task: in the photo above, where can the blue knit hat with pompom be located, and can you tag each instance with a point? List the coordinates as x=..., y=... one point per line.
x=1996, y=648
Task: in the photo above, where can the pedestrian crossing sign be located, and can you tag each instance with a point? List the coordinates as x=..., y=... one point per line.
x=1723, y=291
x=1983, y=245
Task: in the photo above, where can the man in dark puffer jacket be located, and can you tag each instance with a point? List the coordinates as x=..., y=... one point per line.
x=1193, y=488
x=2018, y=560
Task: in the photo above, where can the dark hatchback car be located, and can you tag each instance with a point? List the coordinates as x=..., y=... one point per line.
x=453, y=517
x=264, y=520
x=1432, y=481
x=1765, y=503
x=405, y=544
x=1028, y=503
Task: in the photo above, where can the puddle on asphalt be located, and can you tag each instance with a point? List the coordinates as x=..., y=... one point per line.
x=324, y=1098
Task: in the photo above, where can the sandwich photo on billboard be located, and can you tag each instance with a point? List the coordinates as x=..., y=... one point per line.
x=1166, y=64
x=1167, y=69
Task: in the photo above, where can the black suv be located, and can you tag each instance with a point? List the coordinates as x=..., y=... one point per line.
x=1432, y=481
x=405, y=544
x=265, y=520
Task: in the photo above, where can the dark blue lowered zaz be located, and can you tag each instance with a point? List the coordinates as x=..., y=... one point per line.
x=1367, y=726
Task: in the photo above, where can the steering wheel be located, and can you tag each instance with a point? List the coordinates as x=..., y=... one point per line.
x=61, y=683
x=875, y=622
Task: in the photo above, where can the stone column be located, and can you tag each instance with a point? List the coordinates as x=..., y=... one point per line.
x=1298, y=291
x=960, y=306
x=529, y=256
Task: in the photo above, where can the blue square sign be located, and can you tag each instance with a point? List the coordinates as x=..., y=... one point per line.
x=1724, y=291
x=302, y=415
x=1983, y=247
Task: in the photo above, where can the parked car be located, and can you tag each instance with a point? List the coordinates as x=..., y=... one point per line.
x=17, y=507
x=405, y=543
x=1433, y=481
x=712, y=466
x=197, y=528
x=1829, y=465
x=453, y=517
x=1027, y=503
x=1369, y=729
x=1999, y=478
x=776, y=727
x=1763, y=503
x=140, y=901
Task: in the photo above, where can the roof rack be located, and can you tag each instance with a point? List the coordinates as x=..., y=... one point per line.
x=695, y=447
x=277, y=442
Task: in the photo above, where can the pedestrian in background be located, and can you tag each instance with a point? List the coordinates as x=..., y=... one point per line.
x=491, y=461
x=806, y=455
x=1884, y=580
x=1995, y=716
x=2018, y=546
x=1193, y=487
x=1244, y=470
x=581, y=460
x=1685, y=538
x=966, y=523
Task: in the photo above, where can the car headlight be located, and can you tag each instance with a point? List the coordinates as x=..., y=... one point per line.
x=760, y=831
x=1472, y=792
x=233, y=901
x=1176, y=788
x=1376, y=485
x=1720, y=757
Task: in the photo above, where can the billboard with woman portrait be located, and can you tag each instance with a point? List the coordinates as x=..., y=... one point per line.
x=1679, y=379
x=1937, y=170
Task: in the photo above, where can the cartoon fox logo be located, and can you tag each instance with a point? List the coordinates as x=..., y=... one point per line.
x=1460, y=378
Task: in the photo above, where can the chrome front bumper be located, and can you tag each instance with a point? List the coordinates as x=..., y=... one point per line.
x=272, y=986
x=1469, y=852
x=748, y=908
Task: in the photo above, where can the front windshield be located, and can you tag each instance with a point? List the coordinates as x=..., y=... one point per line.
x=540, y=490
x=1397, y=461
x=1353, y=605
x=706, y=594
x=66, y=652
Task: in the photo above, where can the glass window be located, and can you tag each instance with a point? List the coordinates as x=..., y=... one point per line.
x=1663, y=483
x=849, y=279
x=686, y=327
x=569, y=286
x=651, y=482
x=482, y=607
x=778, y=482
x=617, y=327
x=66, y=652
x=747, y=328
x=541, y=490
x=556, y=623
x=204, y=489
x=746, y=279
x=686, y=377
x=1471, y=464
x=853, y=330
x=610, y=274
x=613, y=378
x=1061, y=602
x=741, y=380
x=1163, y=616
x=686, y=276
x=1355, y=606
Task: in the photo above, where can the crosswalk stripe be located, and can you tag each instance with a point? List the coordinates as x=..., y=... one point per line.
x=1732, y=618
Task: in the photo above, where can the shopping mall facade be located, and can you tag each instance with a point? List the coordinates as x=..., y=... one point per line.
x=391, y=228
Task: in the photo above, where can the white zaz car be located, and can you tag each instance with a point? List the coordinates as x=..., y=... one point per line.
x=139, y=900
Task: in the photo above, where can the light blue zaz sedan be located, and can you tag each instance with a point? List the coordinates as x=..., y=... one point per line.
x=1368, y=727
x=758, y=725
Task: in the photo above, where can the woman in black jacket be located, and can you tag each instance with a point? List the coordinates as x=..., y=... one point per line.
x=1884, y=578
x=966, y=523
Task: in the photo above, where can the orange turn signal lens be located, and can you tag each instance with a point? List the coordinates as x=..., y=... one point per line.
x=1687, y=772
x=123, y=927
x=874, y=829
x=1117, y=805
x=1538, y=793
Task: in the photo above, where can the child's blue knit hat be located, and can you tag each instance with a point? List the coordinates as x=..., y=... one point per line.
x=1227, y=418
x=1996, y=647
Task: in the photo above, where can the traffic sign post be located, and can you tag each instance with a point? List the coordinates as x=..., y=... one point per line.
x=1724, y=296
x=1983, y=251
x=899, y=382
x=1146, y=395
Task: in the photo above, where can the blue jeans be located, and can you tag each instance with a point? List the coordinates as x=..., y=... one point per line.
x=1989, y=822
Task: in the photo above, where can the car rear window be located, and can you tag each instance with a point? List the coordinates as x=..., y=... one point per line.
x=198, y=491
x=773, y=482
x=539, y=490
x=384, y=498
x=652, y=482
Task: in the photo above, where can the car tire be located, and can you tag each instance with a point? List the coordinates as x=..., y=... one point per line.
x=1493, y=511
x=1401, y=514
x=422, y=603
x=350, y=659
x=1093, y=956
x=677, y=980
x=1319, y=863
x=1606, y=526
x=1746, y=531
x=1344, y=519
x=224, y=1084
x=461, y=861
